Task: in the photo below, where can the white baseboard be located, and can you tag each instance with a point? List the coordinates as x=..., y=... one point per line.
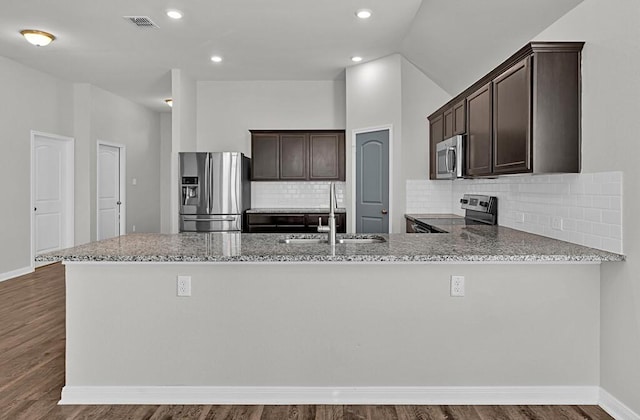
x=547, y=395
x=15, y=273
x=616, y=408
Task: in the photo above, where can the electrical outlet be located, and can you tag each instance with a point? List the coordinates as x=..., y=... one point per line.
x=133, y=228
x=134, y=181
x=457, y=286
x=556, y=223
x=184, y=285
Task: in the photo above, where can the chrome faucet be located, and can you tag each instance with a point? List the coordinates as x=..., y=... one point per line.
x=330, y=228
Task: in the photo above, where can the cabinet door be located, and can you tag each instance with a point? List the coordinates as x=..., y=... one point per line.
x=459, y=118
x=448, y=123
x=436, y=135
x=479, y=132
x=293, y=157
x=326, y=157
x=265, y=157
x=512, y=120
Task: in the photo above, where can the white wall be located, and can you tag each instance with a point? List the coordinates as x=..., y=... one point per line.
x=183, y=136
x=354, y=325
x=374, y=99
x=118, y=120
x=36, y=101
x=610, y=127
x=228, y=110
x=165, y=173
x=420, y=97
x=392, y=91
x=31, y=101
x=83, y=161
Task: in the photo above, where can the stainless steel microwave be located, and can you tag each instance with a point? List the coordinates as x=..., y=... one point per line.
x=449, y=158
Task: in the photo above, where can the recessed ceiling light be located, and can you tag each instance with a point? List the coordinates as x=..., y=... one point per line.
x=37, y=38
x=174, y=14
x=363, y=13
x=169, y=102
x=356, y=59
x=216, y=59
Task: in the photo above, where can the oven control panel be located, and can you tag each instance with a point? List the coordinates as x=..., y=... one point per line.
x=481, y=203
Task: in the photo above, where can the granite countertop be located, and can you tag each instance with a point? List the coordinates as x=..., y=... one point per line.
x=296, y=210
x=462, y=244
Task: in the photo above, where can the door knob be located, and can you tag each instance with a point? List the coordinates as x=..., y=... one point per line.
x=35, y=209
x=119, y=202
x=384, y=211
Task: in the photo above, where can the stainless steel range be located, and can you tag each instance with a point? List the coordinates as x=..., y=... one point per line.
x=479, y=210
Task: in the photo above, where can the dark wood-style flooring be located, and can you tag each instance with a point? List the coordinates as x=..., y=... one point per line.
x=32, y=345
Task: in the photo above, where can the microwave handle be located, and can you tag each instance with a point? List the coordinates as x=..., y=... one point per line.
x=446, y=161
x=451, y=150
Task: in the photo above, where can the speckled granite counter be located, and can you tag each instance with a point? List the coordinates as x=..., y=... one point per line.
x=462, y=244
x=296, y=210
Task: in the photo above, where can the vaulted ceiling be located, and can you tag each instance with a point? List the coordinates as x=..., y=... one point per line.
x=452, y=41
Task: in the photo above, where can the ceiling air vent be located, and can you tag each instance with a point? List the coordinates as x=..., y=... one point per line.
x=142, y=21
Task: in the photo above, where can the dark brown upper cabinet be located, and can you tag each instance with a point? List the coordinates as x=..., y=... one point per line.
x=298, y=155
x=326, y=156
x=460, y=118
x=512, y=120
x=478, y=147
x=436, y=135
x=448, y=123
x=523, y=116
x=293, y=157
x=267, y=167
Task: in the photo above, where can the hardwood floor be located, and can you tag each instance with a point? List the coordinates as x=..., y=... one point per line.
x=32, y=340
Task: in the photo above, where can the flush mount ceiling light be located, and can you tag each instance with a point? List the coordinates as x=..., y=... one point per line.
x=363, y=13
x=169, y=102
x=174, y=14
x=216, y=59
x=37, y=38
x=356, y=59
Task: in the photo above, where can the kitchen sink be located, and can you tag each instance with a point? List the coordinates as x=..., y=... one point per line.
x=348, y=239
x=369, y=239
x=303, y=241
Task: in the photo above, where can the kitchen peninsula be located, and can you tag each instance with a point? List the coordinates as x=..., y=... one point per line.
x=269, y=322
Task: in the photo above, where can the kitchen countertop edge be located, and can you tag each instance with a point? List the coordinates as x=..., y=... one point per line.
x=485, y=244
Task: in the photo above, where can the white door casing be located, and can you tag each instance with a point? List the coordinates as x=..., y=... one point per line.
x=110, y=217
x=52, y=193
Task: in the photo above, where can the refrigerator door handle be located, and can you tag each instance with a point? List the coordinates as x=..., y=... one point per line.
x=207, y=181
x=235, y=182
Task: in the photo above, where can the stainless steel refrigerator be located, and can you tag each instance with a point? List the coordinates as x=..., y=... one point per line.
x=215, y=191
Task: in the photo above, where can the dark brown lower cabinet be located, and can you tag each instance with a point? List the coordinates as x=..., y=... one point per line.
x=290, y=222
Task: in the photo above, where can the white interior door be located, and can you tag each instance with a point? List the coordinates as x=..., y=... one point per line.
x=109, y=191
x=52, y=192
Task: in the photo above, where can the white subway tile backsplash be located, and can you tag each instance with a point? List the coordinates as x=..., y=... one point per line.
x=589, y=205
x=294, y=194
